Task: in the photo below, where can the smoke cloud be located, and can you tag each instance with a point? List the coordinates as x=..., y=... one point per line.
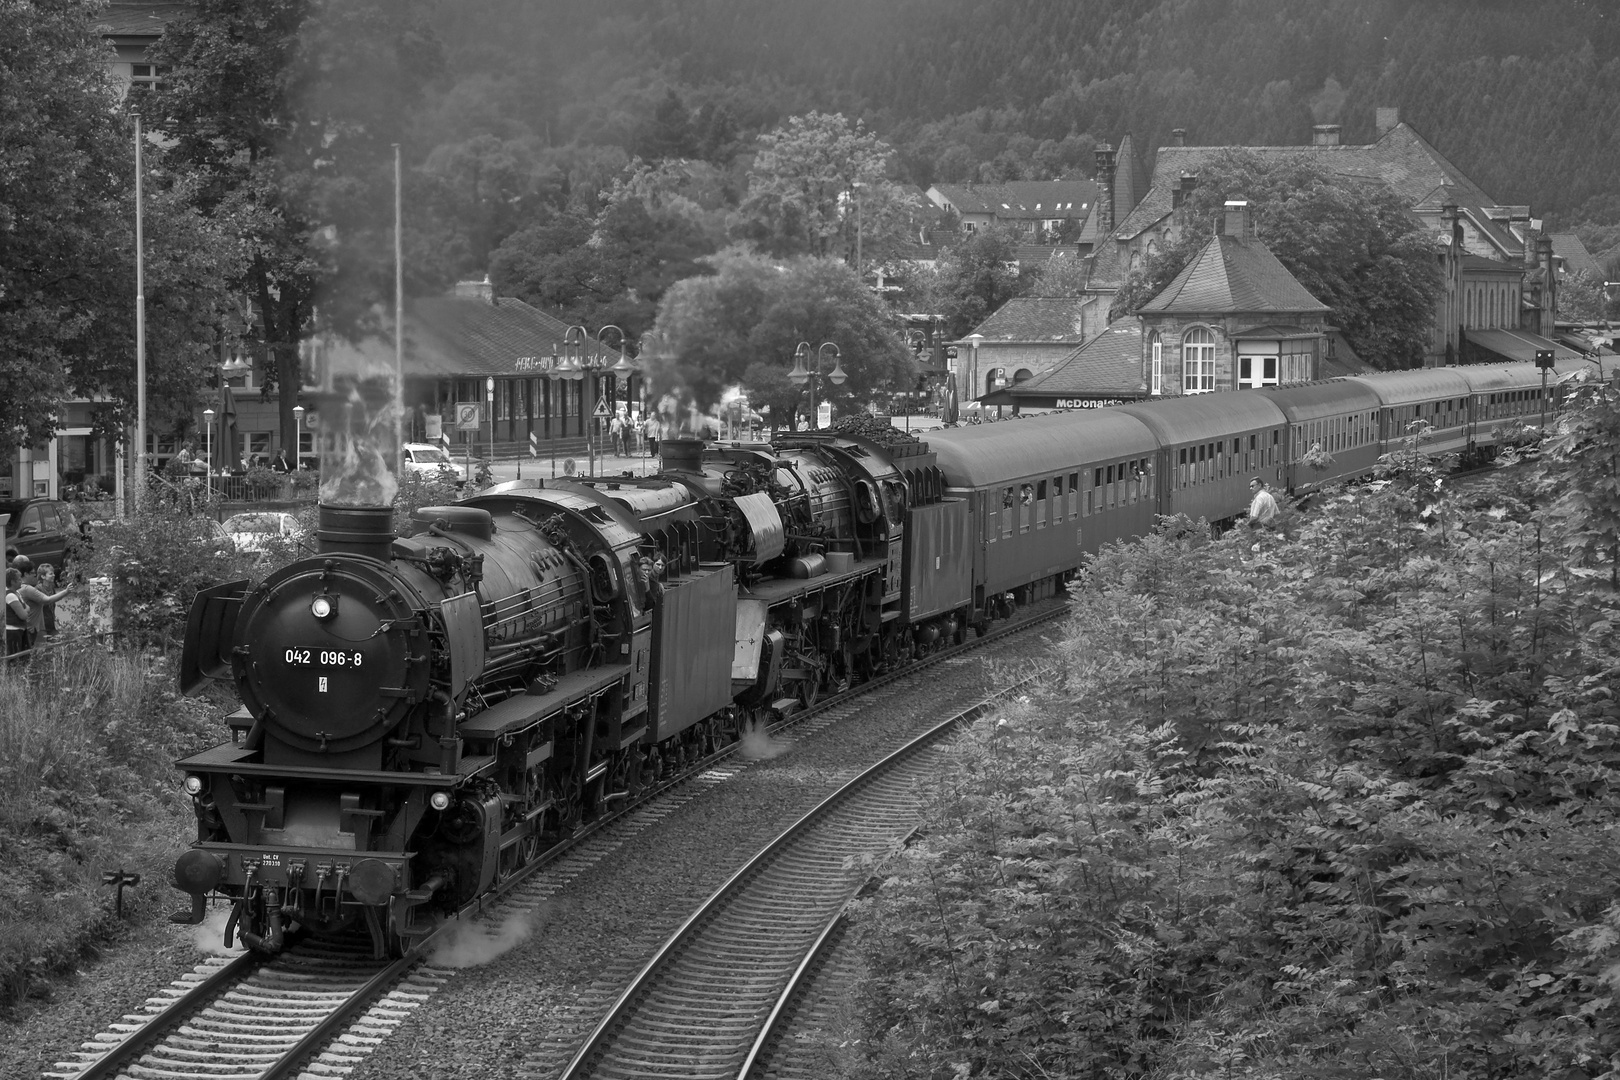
x=1327, y=105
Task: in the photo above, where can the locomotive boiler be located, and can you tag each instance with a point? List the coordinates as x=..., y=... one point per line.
x=423, y=714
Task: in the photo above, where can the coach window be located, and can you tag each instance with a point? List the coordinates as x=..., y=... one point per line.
x=1006, y=498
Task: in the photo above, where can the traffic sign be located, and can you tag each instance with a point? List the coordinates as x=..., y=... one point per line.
x=534, y=445
x=602, y=409
x=467, y=416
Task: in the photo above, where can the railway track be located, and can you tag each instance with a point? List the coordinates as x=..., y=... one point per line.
x=706, y=1000
x=321, y=1005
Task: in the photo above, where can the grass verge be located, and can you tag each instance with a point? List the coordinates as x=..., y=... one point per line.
x=88, y=737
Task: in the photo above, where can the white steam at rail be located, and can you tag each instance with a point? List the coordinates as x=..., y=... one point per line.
x=471, y=944
x=757, y=744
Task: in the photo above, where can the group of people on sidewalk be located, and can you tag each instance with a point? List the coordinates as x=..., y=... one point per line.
x=31, y=597
x=629, y=435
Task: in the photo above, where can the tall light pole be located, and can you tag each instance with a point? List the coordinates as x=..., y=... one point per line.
x=140, y=325
x=800, y=375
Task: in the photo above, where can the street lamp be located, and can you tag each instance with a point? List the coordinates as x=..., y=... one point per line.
x=573, y=370
x=208, y=435
x=489, y=404
x=800, y=375
x=298, y=437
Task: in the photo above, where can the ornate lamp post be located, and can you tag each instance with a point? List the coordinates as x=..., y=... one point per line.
x=800, y=375
x=208, y=425
x=620, y=371
x=572, y=369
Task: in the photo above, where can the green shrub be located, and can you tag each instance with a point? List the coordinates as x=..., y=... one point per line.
x=156, y=561
x=1345, y=808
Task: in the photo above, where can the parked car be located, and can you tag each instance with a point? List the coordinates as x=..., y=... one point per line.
x=429, y=462
x=251, y=532
x=45, y=530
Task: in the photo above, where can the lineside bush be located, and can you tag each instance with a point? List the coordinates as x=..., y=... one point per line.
x=1342, y=806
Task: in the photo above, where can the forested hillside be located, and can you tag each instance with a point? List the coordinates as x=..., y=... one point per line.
x=1523, y=95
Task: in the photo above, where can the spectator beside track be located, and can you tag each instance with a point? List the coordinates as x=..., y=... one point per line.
x=36, y=600
x=17, y=614
x=1263, y=506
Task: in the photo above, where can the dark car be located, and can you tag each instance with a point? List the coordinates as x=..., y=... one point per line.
x=45, y=530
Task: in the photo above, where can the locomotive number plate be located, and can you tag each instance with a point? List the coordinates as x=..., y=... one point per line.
x=327, y=658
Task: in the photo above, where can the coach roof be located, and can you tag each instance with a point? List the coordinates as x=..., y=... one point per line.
x=1405, y=387
x=1199, y=418
x=988, y=454
x=1313, y=401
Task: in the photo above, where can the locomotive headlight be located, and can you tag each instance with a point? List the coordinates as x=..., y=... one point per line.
x=322, y=607
x=439, y=800
x=193, y=785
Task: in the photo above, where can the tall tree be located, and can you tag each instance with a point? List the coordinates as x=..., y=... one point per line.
x=819, y=186
x=1348, y=240
x=742, y=325
x=67, y=256
x=287, y=110
x=976, y=275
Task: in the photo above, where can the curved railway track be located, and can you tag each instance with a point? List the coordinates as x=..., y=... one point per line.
x=698, y=1006
x=256, y=1018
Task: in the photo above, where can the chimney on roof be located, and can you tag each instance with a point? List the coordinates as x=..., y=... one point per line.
x=476, y=290
x=1325, y=135
x=1549, y=283
x=1183, y=190
x=1107, y=163
x=1178, y=137
x=1237, y=224
x=1386, y=120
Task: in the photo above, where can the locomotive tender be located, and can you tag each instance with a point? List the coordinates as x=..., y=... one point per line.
x=422, y=715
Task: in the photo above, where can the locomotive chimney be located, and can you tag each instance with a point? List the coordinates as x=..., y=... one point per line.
x=681, y=455
x=355, y=530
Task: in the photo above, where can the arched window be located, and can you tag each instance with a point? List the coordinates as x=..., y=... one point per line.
x=1156, y=363
x=1197, y=361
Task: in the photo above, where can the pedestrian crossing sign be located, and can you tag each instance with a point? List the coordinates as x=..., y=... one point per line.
x=602, y=409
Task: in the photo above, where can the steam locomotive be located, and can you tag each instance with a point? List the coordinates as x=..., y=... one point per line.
x=422, y=715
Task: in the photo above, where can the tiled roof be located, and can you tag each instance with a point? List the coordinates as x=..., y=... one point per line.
x=1017, y=199
x=456, y=335
x=1034, y=319
x=1233, y=275
x=1130, y=179
x=1577, y=259
x=1344, y=360
x=1039, y=253
x=1403, y=160
x=464, y=336
x=1480, y=262
x=1109, y=364
x=140, y=20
